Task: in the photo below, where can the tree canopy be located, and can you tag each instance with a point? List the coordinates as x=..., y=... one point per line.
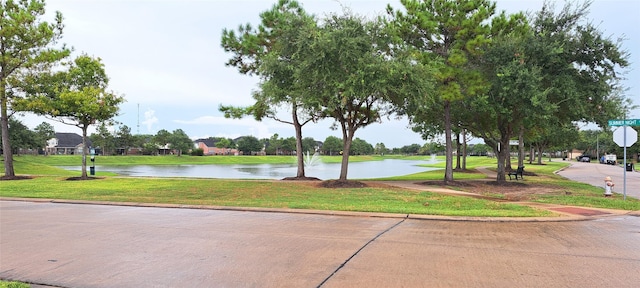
x=270, y=52
x=26, y=50
x=76, y=97
x=353, y=76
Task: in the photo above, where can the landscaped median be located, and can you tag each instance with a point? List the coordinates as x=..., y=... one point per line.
x=51, y=183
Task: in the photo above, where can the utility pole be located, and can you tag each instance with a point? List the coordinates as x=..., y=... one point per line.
x=138, y=118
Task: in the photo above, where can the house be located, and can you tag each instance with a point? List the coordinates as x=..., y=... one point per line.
x=208, y=147
x=66, y=144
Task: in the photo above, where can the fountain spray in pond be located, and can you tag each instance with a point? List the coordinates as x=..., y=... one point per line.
x=311, y=160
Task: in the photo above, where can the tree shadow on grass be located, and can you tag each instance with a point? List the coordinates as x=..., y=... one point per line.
x=81, y=179
x=7, y=178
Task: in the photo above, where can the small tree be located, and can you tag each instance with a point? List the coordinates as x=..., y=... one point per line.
x=44, y=131
x=79, y=98
x=381, y=149
x=124, y=139
x=103, y=139
x=224, y=143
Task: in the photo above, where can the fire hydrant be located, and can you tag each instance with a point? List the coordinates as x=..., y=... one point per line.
x=608, y=187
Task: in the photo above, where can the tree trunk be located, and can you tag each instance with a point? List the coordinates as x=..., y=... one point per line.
x=464, y=149
x=84, y=152
x=507, y=150
x=521, y=147
x=532, y=154
x=503, y=159
x=458, y=152
x=448, y=170
x=6, y=143
x=300, y=155
x=540, y=149
x=348, y=136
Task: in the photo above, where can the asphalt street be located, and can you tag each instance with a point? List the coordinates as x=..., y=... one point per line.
x=594, y=174
x=85, y=245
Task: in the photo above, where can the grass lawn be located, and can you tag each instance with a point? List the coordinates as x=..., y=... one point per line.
x=51, y=182
x=271, y=194
x=13, y=284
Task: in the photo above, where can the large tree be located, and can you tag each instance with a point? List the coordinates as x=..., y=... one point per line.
x=447, y=33
x=162, y=139
x=270, y=52
x=180, y=141
x=25, y=50
x=332, y=145
x=21, y=136
x=581, y=67
x=79, y=98
x=514, y=97
x=560, y=71
x=249, y=144
x=354, y=77
x=124, y=139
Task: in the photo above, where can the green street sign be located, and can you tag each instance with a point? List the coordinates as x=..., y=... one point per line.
x=627, y=122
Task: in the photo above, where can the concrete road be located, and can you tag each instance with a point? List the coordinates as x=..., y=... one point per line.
x=70, y=245
x=594, y=173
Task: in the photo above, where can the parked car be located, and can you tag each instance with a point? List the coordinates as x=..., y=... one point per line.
x=584, y=158
x=610, y=159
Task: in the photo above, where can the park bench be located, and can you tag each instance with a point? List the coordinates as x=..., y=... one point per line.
x=517, y=172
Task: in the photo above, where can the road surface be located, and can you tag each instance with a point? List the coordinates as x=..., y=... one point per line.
x=72, y=245
x=594, y=173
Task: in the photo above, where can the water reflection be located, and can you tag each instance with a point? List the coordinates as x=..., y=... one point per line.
x=357, y=170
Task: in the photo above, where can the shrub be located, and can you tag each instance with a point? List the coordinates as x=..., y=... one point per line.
x=197, y=152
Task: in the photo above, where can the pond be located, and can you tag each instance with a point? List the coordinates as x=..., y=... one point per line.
x=324, y=171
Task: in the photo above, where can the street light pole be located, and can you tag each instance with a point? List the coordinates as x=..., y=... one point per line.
x=624, y=166
x=597, y=146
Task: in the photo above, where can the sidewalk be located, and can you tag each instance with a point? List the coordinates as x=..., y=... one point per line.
x=567, y=213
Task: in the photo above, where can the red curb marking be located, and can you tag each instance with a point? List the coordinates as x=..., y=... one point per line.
x=580, y=211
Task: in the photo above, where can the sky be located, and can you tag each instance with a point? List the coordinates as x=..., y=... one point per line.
x=165, y=58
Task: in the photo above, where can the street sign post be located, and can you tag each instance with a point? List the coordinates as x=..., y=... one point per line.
x=624, y=136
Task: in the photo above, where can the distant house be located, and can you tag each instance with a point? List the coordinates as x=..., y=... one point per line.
x=208, y=147
x=66, y=144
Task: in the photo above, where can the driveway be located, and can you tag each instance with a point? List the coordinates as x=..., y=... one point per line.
x=594, y=173
x=72, y=245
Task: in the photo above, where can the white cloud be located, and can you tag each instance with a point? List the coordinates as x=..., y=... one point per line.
x=167, y=55
x=150, y=119
x=259, y=129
